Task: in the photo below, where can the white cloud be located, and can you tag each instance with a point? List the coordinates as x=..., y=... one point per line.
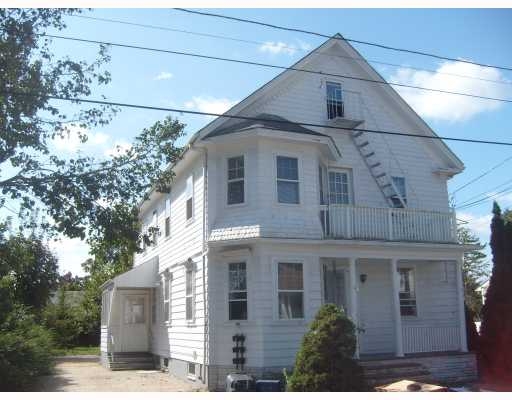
x=119, y=148
x=163, y=75
x=481, y=225
x=210, y=104
x=70, y=140
x=277, y=48
x=71, y=253
x=448, y=107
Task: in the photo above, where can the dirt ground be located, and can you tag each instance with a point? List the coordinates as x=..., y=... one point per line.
x=89, y=376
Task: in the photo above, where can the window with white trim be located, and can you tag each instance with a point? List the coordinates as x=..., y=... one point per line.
x=190, y=278
x=334, y=94
x=237, y=296
x=166, y=293
x=236, y=180
x=189, y=197
x=290, y=290
x=287, y=180
x=407, y=292
x=154, y=299
x=154, y=225
x=339, y=191
x=399, y=184
x=167, y=223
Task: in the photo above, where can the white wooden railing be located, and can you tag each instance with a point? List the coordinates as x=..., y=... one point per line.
x=417, y=339
x=397, y=224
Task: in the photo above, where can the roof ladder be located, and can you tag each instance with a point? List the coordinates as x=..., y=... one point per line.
x=382, y=178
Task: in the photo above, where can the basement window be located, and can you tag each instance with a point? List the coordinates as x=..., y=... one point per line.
x=191, y=370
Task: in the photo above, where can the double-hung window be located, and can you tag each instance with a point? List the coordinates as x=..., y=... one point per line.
x=189, y=197
x=237, y=297
x=399, y=184
x=167, y=297
x=290, y=290
x=407, y=292
x=339, y=188
x=236, y=178
x=335, y=107
x=154, y=226
x=168, y=216
x=189, y=292
x=287, y=180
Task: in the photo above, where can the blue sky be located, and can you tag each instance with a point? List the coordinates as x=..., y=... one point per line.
x=183, y=82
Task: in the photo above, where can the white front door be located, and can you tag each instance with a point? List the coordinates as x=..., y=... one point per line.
x=134, y=324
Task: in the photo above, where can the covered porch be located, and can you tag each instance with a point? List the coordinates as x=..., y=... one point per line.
x=399, y=306
x=126, y=312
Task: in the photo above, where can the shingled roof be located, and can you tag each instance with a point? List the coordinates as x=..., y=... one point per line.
x=268, y=121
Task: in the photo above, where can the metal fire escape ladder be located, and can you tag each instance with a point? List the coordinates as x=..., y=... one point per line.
x=384, y=181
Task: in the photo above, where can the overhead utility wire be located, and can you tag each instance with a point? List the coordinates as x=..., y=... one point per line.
x=482, y=175
x=238, y=61
x=382, y=46
x=294, y=48
x=484, y=199
x=476, y=196
x=257, y=119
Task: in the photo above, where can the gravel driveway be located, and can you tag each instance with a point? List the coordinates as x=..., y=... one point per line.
x=87, y=375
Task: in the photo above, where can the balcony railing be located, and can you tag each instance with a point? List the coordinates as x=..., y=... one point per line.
x=396, y=224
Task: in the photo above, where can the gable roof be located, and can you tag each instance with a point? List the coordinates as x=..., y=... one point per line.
x=218, y=124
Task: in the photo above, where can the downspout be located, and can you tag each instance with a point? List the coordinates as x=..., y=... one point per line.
x=205, y=250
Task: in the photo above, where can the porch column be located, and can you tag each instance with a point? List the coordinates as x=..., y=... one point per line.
x=397, y=318
x=353, y=299
x=462, y=313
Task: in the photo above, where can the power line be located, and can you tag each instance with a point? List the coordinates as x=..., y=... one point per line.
x=386, y=47
x=485, y=192
x=238, y=61
x=484, y=199
x=482, y=175
x=294, y=48
x=257, y=119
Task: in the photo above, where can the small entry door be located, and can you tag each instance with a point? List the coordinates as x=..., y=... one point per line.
x=334, y=284
x=134, y=331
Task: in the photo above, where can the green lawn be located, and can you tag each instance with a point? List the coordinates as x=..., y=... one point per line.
x=80, y=351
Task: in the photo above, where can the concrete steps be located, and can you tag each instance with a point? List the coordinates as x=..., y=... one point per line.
x=379, y=373
x=131, y=361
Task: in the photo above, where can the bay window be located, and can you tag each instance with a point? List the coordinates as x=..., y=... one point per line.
x=287, y=180
x=290, y=290
x=236, y=180
x=237, y=297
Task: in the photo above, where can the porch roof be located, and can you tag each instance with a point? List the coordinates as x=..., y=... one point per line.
x=144, y=275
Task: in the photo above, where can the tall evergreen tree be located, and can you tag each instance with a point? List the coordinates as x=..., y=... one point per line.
x=495, y=352
x=475, y=270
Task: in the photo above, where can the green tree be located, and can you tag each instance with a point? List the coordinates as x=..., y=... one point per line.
x=475, y=270
x=325, y=361
x=71, y=193
x=26, y=349
x=28, y=271
x=495, y=351
x=111, y=255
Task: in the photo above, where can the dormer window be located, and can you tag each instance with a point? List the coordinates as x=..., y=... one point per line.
x=335, y=107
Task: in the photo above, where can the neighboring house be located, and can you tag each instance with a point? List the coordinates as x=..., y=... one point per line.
x=269, y=219
x=72, y=298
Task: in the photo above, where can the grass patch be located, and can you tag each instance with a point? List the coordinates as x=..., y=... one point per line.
x=80, y=351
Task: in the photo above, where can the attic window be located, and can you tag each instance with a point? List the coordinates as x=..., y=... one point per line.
x=334, y=97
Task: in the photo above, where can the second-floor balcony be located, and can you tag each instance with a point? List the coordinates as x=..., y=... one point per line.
x=393, y=224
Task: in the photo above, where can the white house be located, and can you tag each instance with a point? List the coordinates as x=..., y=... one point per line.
x=268, y=219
